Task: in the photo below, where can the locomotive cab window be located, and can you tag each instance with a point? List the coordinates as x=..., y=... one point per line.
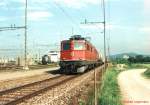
x=79, y=46
x=66, y=46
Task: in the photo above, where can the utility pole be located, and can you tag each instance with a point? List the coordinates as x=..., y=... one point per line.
x=95, y=88
x=25, y=40
x=105, y=58
x=95, y=81
x=104, y=23
x=108, y=50
x=104, y=31
x=13, y=27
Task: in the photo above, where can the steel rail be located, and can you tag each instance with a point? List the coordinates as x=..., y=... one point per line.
x=30, y=90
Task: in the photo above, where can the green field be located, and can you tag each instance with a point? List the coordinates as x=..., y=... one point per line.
x=138, y=65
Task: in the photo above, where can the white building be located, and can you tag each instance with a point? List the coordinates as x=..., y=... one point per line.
x=54, y=56
x=125, y=57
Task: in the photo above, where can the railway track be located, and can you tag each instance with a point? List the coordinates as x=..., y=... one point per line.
x=19, y=94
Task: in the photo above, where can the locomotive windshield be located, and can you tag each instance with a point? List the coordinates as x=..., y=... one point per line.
x=79, y=46
x=66, y=46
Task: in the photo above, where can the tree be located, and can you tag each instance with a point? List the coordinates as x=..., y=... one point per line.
x=132, y=59
x=139, y=58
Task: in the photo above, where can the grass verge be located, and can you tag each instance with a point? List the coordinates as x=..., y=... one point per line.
x=110, y=93
x=147, y=73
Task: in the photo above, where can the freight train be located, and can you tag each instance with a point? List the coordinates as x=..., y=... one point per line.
x=78, y=55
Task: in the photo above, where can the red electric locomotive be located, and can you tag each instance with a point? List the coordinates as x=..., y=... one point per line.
x=77, y=55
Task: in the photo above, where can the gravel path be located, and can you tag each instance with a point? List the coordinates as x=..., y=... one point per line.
x=23, y=73
x=9, y=80
x=134, y=87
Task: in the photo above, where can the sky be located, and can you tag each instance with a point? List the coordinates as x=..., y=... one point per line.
x=50, y=21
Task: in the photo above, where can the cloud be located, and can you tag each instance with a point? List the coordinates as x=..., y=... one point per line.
x=3, y=18
x=36, y=12
x=147, y=7
x=2, y=3
x=77, y=4
x=145, y=29
x=19, y=1
x=39, y=15
x=40, y=1
x=32, y=4
x=100, y=26
x=31, y=1
x=84, y=26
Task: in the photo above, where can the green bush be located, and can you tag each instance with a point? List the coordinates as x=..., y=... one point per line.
x=147, y=73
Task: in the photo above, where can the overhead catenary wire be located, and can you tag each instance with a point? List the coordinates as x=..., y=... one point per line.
x=11, y=28
x=6, y=7
x=68, y=16
x=97, y=25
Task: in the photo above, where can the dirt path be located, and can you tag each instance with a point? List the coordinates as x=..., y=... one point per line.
x=135, y=89
x=22, y=73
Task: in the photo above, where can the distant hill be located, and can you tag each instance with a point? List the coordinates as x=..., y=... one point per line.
x=126, y=54
x=123, y=54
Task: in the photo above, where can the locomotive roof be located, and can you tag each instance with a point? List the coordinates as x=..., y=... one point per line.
x=81, y=39
x=78, y=37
